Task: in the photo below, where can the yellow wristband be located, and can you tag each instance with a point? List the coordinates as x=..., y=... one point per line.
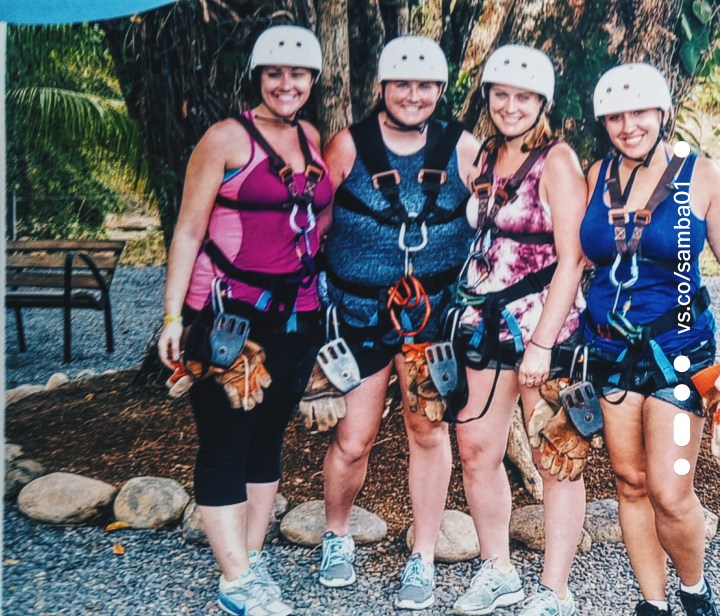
x=172, y=318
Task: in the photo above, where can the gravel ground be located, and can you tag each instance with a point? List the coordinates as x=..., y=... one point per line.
x=71, y=570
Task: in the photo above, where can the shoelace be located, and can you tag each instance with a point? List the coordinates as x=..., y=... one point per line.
x=543, y=599
x=335, y=554
x=486, y=573
x=415, y=575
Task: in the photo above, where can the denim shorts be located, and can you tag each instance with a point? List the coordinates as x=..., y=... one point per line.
x=649, y=381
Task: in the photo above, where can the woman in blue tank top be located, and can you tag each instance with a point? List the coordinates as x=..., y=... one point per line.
x=651, y=209
x=398, y=226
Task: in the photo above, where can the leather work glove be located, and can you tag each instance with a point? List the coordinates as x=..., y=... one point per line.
x=246, y=380
x=707, y=382
x=322, y=403
x=563, y=450
x=179, y=382
x=421, y=391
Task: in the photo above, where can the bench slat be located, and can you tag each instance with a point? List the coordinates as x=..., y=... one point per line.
x=57, y=260
x=79, y=245
x=45, y=300
x=55, y=281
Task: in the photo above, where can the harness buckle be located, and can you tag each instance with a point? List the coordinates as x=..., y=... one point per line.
x=285, y=174
x=423, y=234
x=385, y=179
x=436, y=176
x=313, y=173
x=482, y=189
x=501, y=197
x=643, y=217
x=614, y=214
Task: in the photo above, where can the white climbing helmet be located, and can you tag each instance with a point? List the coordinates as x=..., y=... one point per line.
x=522, y=67
x=412, y=58
x=287, y=46
x=630, y=87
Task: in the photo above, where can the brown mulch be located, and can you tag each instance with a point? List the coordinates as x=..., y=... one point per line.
x=108, y=429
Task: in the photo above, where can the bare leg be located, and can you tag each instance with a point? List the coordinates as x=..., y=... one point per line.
x=678, y=512
x=260, y=504
x=625, y=442
x=347, y=458
x=564, y=511
x=430, y=467
x=226, y=530
x=482, y=446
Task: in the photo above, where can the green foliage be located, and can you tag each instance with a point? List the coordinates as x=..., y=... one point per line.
x=460, y=82
x=694, y=32
x=70, y=140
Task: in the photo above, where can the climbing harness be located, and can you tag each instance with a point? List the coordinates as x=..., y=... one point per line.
x=279, y=290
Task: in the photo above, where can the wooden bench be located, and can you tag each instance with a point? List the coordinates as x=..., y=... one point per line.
x=61, y=274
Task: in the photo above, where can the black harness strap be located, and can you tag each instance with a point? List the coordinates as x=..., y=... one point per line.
x=371, y=149
x=619, y=216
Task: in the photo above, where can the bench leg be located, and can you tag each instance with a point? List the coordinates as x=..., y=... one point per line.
x=20, y=330
x=108, y=327
x=67, y=331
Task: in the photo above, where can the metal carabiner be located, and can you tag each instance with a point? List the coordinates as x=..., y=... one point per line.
x=423, y=233
x=331, y=313
x=584, y=359
x=626, y=284
x=312, y=222
x=217, y=302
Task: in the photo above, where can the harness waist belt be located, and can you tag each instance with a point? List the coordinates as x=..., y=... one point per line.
x=534, y=282
x=432, y=284
x=700, y=303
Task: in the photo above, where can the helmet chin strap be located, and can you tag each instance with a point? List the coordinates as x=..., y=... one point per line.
x=645, y=160
x=277, y=118
x=396, y=124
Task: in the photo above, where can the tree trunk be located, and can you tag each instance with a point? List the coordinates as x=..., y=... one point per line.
x=458, y=24
x=334, y=108
x=367, y=36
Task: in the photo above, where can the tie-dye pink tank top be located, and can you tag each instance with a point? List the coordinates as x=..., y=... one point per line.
x=510, y=261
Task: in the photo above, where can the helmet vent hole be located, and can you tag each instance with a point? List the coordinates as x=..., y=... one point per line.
x=524, y=65
x=626, y=86
x=281, y=43
x=506, y=62
x=298, y=44
x=404, y=57
x=422, y=57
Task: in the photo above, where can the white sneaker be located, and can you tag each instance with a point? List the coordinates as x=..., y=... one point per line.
x=545, y=602
x=490, y=588
x=250, y=596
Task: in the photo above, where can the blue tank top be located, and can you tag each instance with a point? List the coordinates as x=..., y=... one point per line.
x=668, y=264
x=359, y=249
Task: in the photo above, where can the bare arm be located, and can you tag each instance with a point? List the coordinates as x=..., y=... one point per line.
x=339, y=157
x=564, y=187
x=467, y=149
x=203, y=178
x=706, y=180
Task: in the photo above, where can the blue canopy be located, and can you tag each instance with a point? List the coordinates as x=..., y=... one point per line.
x=45, y=12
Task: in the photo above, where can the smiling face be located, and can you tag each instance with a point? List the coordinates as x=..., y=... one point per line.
x=285, y=89
x=513, y=111
x=411, y=102
x=634, y=133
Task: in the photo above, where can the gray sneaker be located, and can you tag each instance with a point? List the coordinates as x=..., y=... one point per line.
x=490, y=588
x=545, y=602
x=338, y=555
x=258, y=564
x=416, y=585
x=253, y=598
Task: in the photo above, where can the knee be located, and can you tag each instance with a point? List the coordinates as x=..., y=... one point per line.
x=477, y=458
x=669, y=504
x=631, y=485
x=429, y=436
x=350, y=452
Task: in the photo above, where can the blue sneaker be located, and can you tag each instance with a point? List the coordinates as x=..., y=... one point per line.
x=490, y=588
x=338, y=555
x=416, y=585
x=250, y=596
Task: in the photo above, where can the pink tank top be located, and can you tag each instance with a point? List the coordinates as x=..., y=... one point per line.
x=258, y=240
x=511, y=261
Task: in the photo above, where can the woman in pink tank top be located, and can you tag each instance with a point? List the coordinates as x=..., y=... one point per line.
x=247, y=232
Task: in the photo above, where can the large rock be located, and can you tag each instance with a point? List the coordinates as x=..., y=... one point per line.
x=65, y=498
x=458, y=540
x=602, y=521
x=56, y=380
x=528, y=527
x=150, y=502
x=20, y=392
x=12, y=452
x=19, y=473
x=305, y=524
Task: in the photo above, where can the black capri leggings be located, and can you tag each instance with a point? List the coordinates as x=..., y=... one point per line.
x=239, y=447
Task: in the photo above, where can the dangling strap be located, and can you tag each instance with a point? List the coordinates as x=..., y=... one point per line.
x=618, y=216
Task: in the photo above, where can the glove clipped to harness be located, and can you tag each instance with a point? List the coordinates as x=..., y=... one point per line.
x=179, y=382
x=247, y=378
x=422, y=394
x=322, y=404
x=707, y=382
x=563, y=450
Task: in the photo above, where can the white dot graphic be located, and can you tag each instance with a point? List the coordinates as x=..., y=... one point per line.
x=681, y=149
x=681, y=363
x=681, y=392
x=681, y=466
